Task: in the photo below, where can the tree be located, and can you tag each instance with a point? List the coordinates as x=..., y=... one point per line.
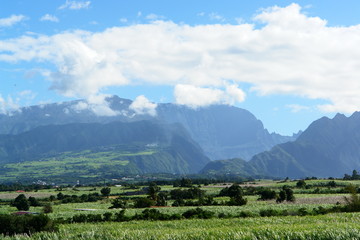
x=355, y=175
x=153, y=191
x=231, y=191
x=267, y=194
x=286, y=194
x=352, y=202
x=143, y=203
x=118, y=203
x=33, y=202
x=21, y=203
x=161, y=199
x=301, y=183
x=185, y=182
x=105, y=191
x=237, y=200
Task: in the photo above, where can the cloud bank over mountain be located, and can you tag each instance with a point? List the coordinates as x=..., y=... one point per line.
x=283, y=51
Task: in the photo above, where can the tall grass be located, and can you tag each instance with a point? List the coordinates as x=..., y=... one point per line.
x=332, y=226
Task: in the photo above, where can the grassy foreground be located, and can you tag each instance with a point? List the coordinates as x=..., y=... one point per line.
x=331, y=226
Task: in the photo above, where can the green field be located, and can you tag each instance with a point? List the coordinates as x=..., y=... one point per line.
x=339, y=225
x=76, y=165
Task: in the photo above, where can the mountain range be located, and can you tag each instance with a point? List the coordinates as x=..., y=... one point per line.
x=68, y=140
x=222, y=131
x=327, y=148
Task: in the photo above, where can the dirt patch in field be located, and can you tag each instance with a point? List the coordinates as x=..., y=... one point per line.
x=13, y=195
x=250, y=184
x=321, y=200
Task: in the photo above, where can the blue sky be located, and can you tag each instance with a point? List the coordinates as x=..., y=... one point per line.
x=289, y=63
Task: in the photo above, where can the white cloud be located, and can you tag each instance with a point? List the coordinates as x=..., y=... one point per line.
x=141, y=105
x=50, y=18
x=291, y=53
x=195, y=97
x=12, y=20
x=75, y=5
x=97, y=104
x=297, y=108
x=9, y=106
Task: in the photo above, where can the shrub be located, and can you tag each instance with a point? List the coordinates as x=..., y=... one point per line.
x=25, y=224
x=143, y=203
x=267, y=194
x=33, y=202
x=120, y=216
x=107, y=216
x=118, y=203
x=269, y=212
x=198, y=213
x=47, y=208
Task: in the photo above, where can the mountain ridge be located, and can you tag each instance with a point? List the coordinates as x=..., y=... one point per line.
x=222, y=131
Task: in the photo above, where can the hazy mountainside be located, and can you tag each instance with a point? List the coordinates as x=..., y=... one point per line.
x=137, y=147
x=221, y=131
x=328, y=147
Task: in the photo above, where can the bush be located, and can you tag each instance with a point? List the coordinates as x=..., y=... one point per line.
x=25, y=224
x=118, y=203
x=33, y=202
x=269, y=213
x=47, y=208
x=267, y=194
x=245, y=214
x=237, y=201
x=198, y=213
x=120, y=216
x=143, y=203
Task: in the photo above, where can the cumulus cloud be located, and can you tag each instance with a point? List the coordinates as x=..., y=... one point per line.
x=12, y=20
x=141, y=105
x=195, y=97
x=289, y=53
x=50, y=18
x=75, y=5
x=9, y=106
x=97, y=104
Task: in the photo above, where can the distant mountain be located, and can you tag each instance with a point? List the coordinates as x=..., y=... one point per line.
x=221, y=131
x=327, y=148
x=111, y=149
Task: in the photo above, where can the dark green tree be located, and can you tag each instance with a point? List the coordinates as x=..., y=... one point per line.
x=143, y=203
x=161, y=199
x=301, y=183
x=118, y=203
x=185, y=182
x=33, y=202
x=286, y=194
x=267, y=194
x=105, y=191
x=153, y=191
x=21, y=203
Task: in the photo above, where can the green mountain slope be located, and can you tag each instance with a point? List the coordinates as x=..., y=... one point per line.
x=99, y=150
